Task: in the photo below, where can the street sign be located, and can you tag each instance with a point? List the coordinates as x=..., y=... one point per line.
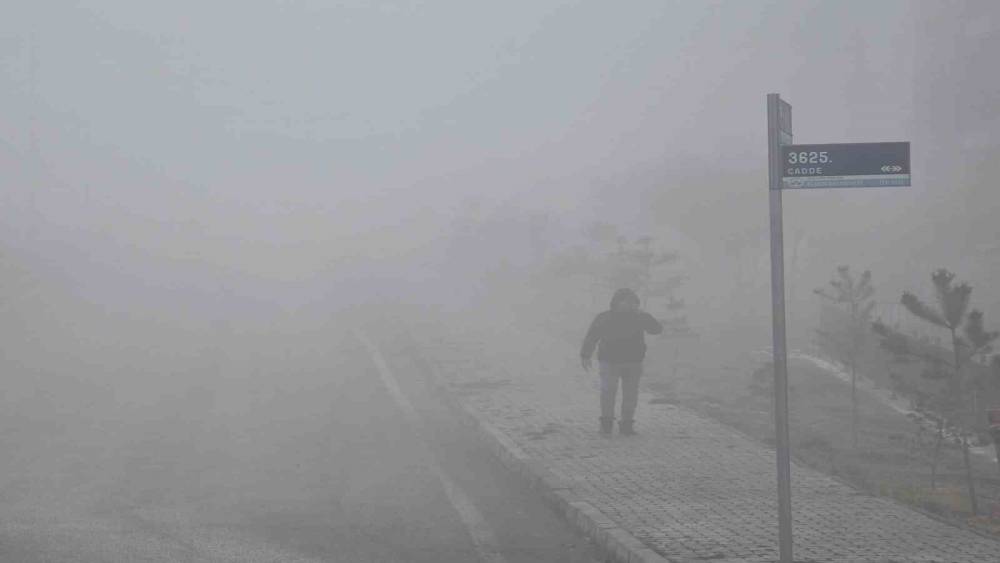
x=855, y=165
x=845, y=165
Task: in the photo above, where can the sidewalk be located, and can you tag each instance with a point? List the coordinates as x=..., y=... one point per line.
x=687, y=487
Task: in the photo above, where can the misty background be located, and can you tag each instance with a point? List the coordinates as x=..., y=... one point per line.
x=185, y=178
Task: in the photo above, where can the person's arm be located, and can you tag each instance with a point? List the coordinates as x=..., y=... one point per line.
x=650, y=324
x=590, y=342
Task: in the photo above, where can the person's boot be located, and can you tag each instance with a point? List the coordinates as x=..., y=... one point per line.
x=607, y=424
x=625, y=427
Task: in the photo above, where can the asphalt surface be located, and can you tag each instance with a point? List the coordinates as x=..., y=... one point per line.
x=294, y=451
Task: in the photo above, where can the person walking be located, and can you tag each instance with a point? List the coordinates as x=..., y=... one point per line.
x=619, y=336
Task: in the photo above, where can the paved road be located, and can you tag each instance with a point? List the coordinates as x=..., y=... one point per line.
x=297, y=452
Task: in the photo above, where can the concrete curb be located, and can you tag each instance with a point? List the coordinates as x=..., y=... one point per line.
x=618, y=545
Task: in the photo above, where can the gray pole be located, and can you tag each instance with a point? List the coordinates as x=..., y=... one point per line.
x=778, y=319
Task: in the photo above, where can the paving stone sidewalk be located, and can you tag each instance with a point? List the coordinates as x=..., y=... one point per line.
x=690, y=488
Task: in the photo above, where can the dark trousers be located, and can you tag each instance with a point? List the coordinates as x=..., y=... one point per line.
x=629, y=374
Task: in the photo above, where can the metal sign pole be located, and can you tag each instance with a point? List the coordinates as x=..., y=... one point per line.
x=774, y=142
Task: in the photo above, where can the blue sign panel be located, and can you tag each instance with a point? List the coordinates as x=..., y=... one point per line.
x=846, y=165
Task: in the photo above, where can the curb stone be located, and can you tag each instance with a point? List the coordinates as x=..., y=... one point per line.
x=615, y=542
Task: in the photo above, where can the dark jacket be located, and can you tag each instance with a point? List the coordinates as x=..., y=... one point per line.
x=619, y=336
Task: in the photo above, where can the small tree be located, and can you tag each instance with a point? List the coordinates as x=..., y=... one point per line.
x=636, y=265
x=954, y=391
x=618, y=262
x=847, y=339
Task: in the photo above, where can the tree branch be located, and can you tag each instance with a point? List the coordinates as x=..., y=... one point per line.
x=920, y=309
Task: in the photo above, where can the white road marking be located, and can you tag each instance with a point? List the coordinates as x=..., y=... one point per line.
x=479, y=530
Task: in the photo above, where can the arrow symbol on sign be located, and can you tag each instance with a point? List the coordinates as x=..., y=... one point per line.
x=892, y=168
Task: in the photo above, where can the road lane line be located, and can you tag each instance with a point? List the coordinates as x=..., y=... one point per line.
x=479, y=530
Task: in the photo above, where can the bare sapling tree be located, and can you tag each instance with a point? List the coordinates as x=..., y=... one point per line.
x=954, y=395
x=612, y=260
x=635, y=264
x=616, y=261
x=846, y=339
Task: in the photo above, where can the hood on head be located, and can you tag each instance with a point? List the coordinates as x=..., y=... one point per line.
x=623, y=294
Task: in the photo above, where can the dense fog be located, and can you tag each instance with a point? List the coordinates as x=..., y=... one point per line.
x=196, y=194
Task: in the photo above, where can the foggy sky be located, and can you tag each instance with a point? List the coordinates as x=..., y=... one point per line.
x=282, y=143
